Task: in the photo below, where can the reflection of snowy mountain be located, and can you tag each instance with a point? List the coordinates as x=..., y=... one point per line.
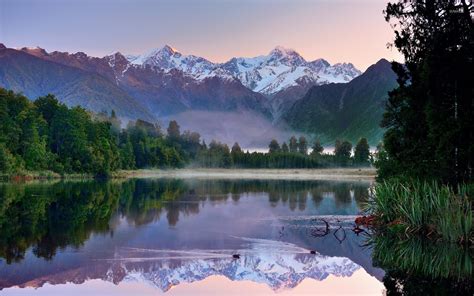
x=276, y=264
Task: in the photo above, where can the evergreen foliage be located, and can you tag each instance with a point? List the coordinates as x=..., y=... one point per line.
x=274, y=147
x=430, y=117
x=317, y=148
x=342, y=152
x=362, y=152
x=48, y=135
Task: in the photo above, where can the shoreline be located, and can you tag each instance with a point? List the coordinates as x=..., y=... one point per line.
x=349, y=174
x=366, y=174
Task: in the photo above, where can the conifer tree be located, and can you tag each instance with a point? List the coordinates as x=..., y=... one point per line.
x=430, y=117
x=284, y=147
x=317, y=148
x=293, y=145
x=303, y=145
x=362, y=152
x=273, y=147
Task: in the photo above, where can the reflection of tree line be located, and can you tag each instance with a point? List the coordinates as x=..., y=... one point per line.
x=52, y=216
x=421, y=267
x=295, y=193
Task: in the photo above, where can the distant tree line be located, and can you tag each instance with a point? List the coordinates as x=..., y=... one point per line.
x=48, y=135
x=292, y=155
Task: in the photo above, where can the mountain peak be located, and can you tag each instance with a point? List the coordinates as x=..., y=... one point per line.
x=168, y=48
x=383, y=62
x=117, y=55
x=2, y=46
x=319, y=64
x=166, y=51
x=283, y=51
x=36, y=51
x=285, y=56
x=381, y=65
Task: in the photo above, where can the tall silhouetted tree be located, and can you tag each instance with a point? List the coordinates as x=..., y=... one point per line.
x=236, y=148
x=273, y=146
x=284, y=147
x=342, y=152
x=293, y=144
x=303, y=145
x=173, y=131
x=317, y=148
x=430, y=117
x=362, y=152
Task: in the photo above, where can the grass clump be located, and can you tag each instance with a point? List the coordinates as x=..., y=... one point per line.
x=426, y=208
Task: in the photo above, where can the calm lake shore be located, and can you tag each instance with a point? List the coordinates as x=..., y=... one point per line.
x=368, y=174
x=294, y=174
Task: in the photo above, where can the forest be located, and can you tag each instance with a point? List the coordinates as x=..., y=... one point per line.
x=46, y=135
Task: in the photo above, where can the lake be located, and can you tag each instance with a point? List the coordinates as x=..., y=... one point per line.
x=205, y=236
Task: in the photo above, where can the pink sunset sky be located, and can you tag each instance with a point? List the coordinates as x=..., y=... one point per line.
x=337, y=30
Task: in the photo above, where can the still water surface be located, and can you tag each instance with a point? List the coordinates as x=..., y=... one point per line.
x=178, y=237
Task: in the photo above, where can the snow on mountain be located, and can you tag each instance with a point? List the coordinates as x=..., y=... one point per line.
x=280, y=69
x=276, y=264
x=167, y=58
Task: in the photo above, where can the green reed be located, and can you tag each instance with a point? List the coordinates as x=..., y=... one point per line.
x=426, y=208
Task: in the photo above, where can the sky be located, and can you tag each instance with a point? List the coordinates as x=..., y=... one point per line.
x=336, y=30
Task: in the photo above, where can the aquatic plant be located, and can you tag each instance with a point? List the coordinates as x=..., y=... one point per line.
x=416, y=266
x=427, y=208
x=419, y=256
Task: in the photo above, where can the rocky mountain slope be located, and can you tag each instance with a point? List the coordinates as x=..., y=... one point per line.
x=345, y=110
x=152, y=91
x=34, y=77
x=283, y=75
x=282, y=88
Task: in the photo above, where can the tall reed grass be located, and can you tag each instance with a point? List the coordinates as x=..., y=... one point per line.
x=426, y=208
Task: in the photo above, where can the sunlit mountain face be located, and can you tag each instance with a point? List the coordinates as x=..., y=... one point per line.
x=170, y=233
x=266, y=74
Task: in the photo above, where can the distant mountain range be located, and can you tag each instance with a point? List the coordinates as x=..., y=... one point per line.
x=165, y=83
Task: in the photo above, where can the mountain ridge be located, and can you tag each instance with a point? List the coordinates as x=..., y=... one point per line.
x=266, y=74
x=35, y=77
x=164, y=83
x=345, y=110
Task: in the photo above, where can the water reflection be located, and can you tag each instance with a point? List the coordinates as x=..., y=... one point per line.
x=166, y=232
x=80, y=226
x=415, y=266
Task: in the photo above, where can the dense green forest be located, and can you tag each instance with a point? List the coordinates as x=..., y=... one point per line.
x=48, y=135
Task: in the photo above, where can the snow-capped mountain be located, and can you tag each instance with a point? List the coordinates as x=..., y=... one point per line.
x=283, y=68
x=280, y=69
x=151, y=90
x=167, y=58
